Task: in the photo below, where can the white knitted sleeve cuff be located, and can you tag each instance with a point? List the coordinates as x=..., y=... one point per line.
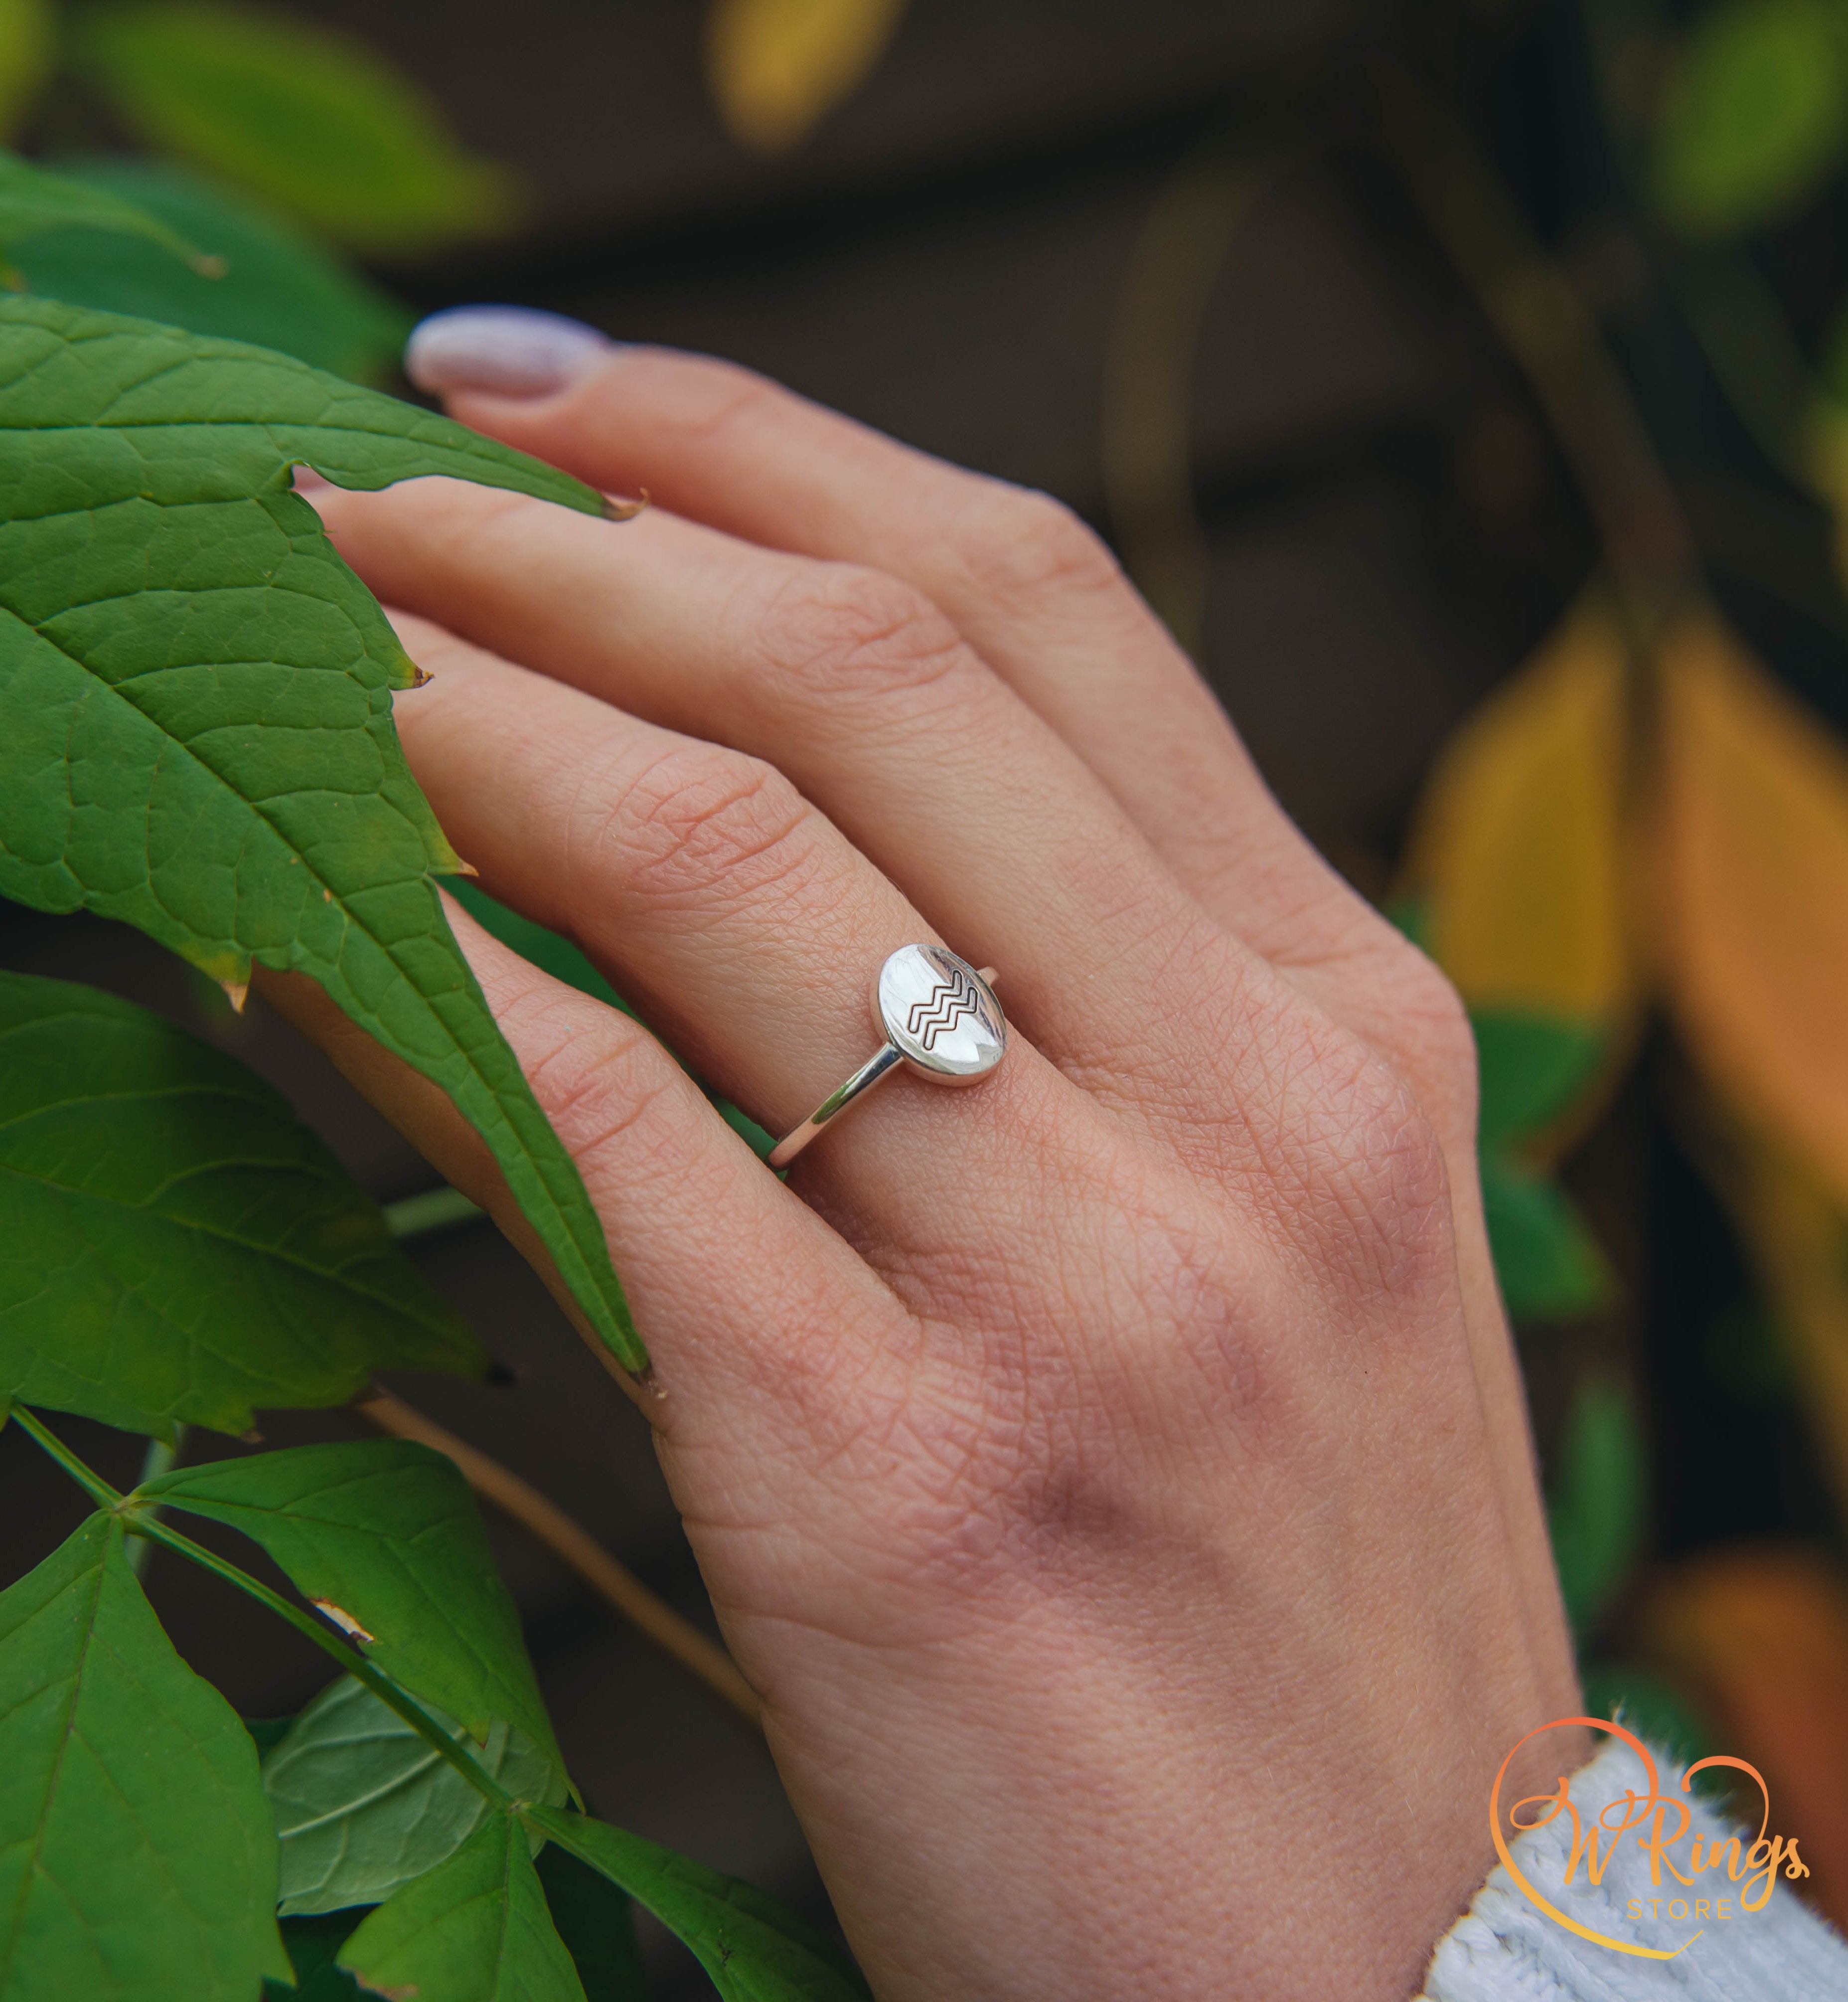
x=1504, y=1949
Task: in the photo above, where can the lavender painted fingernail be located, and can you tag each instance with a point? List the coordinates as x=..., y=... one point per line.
x=508, y=350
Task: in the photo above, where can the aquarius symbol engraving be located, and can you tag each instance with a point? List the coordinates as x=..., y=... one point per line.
x=954, y=996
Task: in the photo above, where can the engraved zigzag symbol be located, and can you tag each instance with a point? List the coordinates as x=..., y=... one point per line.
x=953, y=997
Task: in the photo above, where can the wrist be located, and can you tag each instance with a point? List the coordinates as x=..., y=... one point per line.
x=1649, y=1895
x=1063, y=1812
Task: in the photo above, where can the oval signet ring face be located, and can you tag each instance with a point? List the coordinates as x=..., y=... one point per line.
x=939, y=1014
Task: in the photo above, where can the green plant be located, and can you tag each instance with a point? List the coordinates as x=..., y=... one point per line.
x=196, y=737
x=316, y=124
x=263, y=281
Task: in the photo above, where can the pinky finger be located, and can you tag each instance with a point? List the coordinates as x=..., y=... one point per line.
x=697, y=1230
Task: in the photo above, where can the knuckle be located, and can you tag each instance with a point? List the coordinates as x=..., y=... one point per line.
x=1345, y=1163
x=1427, y=1030
x=1383, y=1184
x=598, y=1075
x=836, y=632
x=1438, y=1022
x=699, y=823
x=1027, y=545
x=601, y=1088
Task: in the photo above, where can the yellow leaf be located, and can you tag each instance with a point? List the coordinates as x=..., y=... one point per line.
x=28, y=48
x=777, y=68
x=1761, y=1635
x=1518, y=853
x=1753, y=893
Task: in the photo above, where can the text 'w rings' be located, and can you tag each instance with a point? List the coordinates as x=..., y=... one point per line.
x=939, y=1018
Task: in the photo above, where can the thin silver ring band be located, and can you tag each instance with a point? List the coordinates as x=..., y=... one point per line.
x=923, y=993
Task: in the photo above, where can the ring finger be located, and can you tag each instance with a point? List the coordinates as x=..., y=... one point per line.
x=739, y=920
x=854, y=686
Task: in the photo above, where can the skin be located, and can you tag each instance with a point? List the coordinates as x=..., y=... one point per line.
x=1115, y=1478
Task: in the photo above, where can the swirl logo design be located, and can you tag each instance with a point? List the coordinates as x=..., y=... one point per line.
x=954, y=996
x=1750, y=1872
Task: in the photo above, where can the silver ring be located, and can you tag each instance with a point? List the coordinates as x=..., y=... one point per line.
x=939, y=1018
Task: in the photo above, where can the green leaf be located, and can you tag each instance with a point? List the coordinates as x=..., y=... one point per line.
x=179, y=1249
x=475, y=1929
x=754, y=1949
x=28, y=54
x=136, y=1856
x=386, y=1532
x=310, y=119
x=1597, y=1502
x=1549, y=1263
x=363, y=1804
x=1532, y=1068
x=195, y=702
x=1755, y=116
x=279, y=288
x=33, y=202
x=597, y=1923
x=434, y=1210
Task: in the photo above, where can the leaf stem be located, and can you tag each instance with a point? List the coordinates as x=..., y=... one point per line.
x=163, y=1456
x=138, y=1517
x=350, y=1659
x=86, y=1478
x=435, y=1209
x=573, y=1546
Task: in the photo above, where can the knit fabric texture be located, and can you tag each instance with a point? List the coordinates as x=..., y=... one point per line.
x=1504, y=1949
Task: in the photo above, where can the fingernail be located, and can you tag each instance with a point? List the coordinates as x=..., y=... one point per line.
x=508, y=351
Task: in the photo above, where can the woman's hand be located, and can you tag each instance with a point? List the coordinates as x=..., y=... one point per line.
x=1114, y=1478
